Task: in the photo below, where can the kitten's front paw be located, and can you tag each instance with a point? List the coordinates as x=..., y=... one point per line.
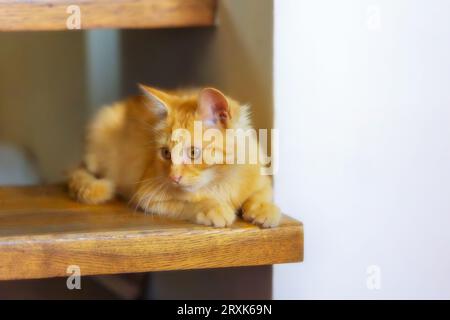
x=265, y=214
x=216, y=215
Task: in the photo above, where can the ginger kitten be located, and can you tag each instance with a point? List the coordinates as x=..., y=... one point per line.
x=132, y=150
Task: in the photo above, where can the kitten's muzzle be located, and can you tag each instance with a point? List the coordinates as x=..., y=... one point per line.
x=175, y=179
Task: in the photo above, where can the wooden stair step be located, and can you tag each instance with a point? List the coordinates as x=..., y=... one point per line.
x=29, y=15
x=43, y=231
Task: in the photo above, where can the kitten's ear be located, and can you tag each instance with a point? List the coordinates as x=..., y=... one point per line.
x=213, y=107
x=157, y=99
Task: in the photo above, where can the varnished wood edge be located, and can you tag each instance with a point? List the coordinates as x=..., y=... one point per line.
x=293, y=236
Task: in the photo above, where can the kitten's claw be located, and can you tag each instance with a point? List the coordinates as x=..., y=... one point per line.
x=265, y=214
x=216, y=216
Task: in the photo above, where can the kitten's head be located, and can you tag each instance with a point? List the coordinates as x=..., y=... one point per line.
x=185, y=158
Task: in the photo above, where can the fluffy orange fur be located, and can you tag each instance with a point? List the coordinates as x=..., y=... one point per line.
x=128, y=150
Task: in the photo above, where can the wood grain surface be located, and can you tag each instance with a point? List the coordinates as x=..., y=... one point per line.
x=42, y=232
x=28, y=15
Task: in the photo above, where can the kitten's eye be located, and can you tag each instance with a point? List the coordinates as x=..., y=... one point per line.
x=165, y=153
x=194, y=153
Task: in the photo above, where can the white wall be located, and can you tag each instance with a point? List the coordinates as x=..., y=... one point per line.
x=362, y=101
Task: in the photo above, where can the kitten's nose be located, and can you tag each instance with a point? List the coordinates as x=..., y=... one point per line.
x=175, y=179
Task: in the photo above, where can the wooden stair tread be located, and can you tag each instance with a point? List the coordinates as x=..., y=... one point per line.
x=26, y=15
x=43, y=231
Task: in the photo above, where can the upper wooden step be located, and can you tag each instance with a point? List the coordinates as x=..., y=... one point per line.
x=28, y=15
x=43, y=232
